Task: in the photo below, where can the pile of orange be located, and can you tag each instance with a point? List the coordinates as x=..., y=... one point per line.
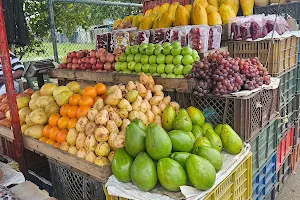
x=79, y=105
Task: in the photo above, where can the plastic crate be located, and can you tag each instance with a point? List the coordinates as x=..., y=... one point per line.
x=278, y=55
x=265, y=179
x=286, y=9
x=284, y=147
x=236, y=186
x=297, y=106
x=296, y=132
x=264, y=146
x=287, y=117
x=150, y=4
x=68, y=184
x=246, y=115
x=272, y=194
x=298, y=78
x=288, y=85
x=295, y=157
x=283, y=173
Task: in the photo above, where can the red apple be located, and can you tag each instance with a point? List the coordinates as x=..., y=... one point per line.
x=69, y=60
x=93, y=53
x=110, y=58
x=79, y=60
x=69, y=55
x=73, y=54
x=99, y=54
x=79, y=54
x=86, y=52
x=87, y=60
x=102, y=50
x=88, y=66
x=99, y=65
x=107, y=66
x=74, y=60
x=103, y=58
x=61, y=66
x=93, y=60
x=69, y=66
x=82, y=66
x=74, y=66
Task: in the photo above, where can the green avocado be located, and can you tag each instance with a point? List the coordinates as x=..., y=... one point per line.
x=212, y=155
x=135, y=139
x=182, y=121
x=168, y=117
x=232, y=142
x=197, y=131
x=196, y=116
x=121, y=165
x=214, y=139
x=180, y=157
x=200, y=141
x=181, y=141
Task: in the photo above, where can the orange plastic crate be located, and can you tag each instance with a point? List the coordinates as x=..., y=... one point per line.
x=284, y=148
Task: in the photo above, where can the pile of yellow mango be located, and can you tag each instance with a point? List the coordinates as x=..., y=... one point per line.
x=210, y=12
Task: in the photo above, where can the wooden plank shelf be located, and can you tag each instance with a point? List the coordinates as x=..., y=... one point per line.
x=97, y=172
x=170, y=84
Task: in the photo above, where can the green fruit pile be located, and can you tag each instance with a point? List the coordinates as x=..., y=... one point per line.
x=188, y=152
x=165, y=60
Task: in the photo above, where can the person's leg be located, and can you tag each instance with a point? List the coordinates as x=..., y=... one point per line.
x=3, y=88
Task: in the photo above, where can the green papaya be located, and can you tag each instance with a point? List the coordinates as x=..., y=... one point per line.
x=168, y=117
x=121, y=165
x=180, y=157
x=232, y=142
x=197, y=131
x=171, y=174
x=212, y=155
x=196, y=116
x=181, y=141
x=182, y=121
x=214, y=139
x=135, y=139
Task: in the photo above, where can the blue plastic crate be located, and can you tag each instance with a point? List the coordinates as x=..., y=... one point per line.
x=265, y=179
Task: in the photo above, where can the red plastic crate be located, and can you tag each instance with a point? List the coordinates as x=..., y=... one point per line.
x=150, y=4
x=295, y=157
x=284, y=147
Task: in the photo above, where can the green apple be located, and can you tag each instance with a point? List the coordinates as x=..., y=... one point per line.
x=128, y=50
x=131, y=65
x=167, y=50
x=133, y=72
x=187, y=69
x=194, y=52
x=177, y=60
x=161, y=68
x=149, y=74
x=196, y=57
x=149, y=51
x=158, y=50
x=151, y=45
x=171, y=76
x=145, y=68
x=157, y=45
x=135, y=49
x=144, y=59
x=161, y=59
x=123, y=57
x=138, y=67
x=178, y=69
x=153, y=68
x=163, y=75
x=124, y=66
x=130, y=58
x=118, y=66
x=179, y=76
x=142, y=48
x=169, y=59
x=187, y=60
x=137, y=58
x=169, y=68
x=155, y=74
x=152, y=59
x=186, y=51
x=176, y=44
x=165, y=44
x=176, y=51
x=127, y=71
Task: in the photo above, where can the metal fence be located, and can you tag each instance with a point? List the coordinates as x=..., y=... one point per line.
x=61, y=26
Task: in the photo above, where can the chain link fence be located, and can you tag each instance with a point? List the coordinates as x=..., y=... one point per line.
x=77, y=27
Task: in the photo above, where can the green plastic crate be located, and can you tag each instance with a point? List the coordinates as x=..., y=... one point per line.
x=298, y=79
x=288, y=114
x=288, y=82
x=264, y=145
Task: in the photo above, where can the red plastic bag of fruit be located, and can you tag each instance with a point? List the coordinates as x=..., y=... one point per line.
x=180, y=34
x=215, y=35
x=198, y=38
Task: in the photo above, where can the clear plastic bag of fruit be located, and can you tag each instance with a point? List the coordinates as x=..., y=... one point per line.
x=235, y=28
x=180, y=34
x=160, y=35
x=198, y=38
x=123, y=38
x=143, y=36
x=245, y=26
x=256, y=28
x=277, y=23
x=104, y=41
x=215, y=35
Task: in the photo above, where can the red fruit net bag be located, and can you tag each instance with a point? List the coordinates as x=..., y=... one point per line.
x=245, y=24
x=277, y=23
x=256, y=27
x=103, y=41
x=160, y=35
x=180, y=34
x=198, y=38
x=215, y=35
x=143, y=36
x=235, y=28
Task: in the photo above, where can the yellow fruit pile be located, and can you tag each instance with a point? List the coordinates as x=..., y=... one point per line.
x=208, y=12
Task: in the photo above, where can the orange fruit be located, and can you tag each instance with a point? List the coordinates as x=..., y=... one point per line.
x=72, y=111
x=64, y=110
x=49, y=141
x=61, y=136
x=103, y=96
x=53, y=119
x=72, y=123
x=96, y=98
x=43, y=139
x=73, y=100
x=86, y=101
x=89, y=91
x=100, y=88
x=53, y=133
x=57, y=145
x=46, y=130
x=63, y=122
x=82, y=111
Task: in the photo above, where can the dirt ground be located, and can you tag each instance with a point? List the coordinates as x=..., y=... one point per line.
x=291, y=189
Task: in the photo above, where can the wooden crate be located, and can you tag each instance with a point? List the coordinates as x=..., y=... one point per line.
x=278, y=55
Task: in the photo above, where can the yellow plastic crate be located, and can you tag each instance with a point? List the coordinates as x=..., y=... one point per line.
x=236, y=186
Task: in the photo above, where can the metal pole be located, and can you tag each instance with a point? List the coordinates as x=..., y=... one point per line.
x=11, y=95
x=53, y=30
x=108, y=3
